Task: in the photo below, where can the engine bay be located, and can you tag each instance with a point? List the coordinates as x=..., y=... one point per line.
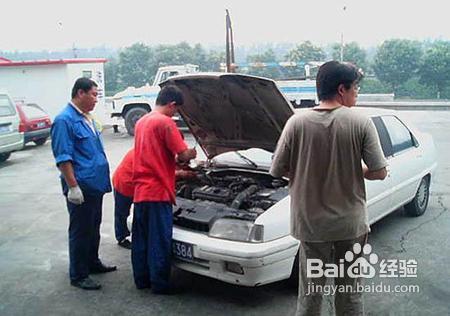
x=230, y=193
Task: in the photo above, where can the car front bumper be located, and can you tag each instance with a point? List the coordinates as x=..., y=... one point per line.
x=259, y=263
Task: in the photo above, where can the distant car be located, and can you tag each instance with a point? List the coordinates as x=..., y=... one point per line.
x=10, y=137
x=232, y=223
x=34, y=123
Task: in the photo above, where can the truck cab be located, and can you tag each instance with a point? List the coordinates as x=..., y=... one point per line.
x=133, y=103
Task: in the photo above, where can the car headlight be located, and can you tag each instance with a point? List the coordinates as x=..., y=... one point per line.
x=236, y=229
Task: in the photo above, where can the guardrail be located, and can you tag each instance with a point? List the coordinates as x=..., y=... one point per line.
x=408, y=105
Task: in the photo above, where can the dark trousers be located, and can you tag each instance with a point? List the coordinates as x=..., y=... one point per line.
x=84, y=235
x=152, y=244
x=122, y=205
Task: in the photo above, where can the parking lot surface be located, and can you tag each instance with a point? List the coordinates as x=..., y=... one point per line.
x=34, y=258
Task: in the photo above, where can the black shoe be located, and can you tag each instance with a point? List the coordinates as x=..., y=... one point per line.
x=143, y=286
x=101, y=268
x=167, y=291
x=86, y=284
x=125, y=243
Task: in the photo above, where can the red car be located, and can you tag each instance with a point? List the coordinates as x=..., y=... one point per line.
x=34, y=123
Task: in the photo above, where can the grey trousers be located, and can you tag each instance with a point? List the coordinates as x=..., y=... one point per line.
x=310, y=302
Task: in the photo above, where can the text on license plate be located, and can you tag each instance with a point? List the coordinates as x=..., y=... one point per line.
x=182, y=250
x=4, y=129
x=40, y=124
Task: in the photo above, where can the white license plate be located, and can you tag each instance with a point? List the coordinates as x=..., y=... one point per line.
x=40, y=124
x=182, y=250
x=5, y=129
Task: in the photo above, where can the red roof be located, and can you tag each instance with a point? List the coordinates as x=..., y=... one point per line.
x=9, y=63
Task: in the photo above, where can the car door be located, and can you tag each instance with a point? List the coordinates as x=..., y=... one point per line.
x=404, y=164
x=378, y=193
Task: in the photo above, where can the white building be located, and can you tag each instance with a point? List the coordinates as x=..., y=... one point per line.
x=49, y=83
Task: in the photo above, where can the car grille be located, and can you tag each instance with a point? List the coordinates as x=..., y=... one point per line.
x=193, y=225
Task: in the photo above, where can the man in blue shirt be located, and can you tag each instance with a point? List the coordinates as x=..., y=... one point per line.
x=79, y=154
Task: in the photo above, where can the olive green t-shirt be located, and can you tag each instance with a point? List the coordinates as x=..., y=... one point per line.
x=321, y=151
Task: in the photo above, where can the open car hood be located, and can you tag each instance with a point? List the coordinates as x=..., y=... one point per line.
x=229, y=112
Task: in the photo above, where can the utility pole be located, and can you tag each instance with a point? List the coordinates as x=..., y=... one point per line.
x=342, y=37
x=229, y=43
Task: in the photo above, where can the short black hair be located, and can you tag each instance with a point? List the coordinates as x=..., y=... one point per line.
x=84, y=84
x=332, y=74
x=169, y=94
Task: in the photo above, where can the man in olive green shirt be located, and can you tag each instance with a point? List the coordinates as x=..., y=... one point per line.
x=320, y=151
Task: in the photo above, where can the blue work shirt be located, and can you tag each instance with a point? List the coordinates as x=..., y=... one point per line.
x=74, y=140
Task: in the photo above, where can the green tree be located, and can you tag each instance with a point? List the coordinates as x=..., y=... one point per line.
x=397, y=61
x=213, y=60
x=352, y=53
x=268, y=71
x=305, y=52
x=136, y=66
x=179, y=54
x=111, y=76
x=435, y=68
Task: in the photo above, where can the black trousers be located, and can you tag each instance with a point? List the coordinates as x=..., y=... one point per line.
x=122, y=205
x=84, y=235
x=151, y=246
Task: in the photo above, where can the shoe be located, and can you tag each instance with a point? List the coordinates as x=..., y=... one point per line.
x=86, y=284
x=125, y=243
x=101, y=268
x=144, y=286
x=167, y=291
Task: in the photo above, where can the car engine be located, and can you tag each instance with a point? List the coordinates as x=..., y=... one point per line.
x=225, y=193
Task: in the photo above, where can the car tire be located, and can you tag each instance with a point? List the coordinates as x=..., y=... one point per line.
x=419, y=204
x=294, y=278
x=40, y=141
x=132, y=116
x=4, y=156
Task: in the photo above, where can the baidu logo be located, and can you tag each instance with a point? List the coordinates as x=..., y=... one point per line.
x=361, y=267
x=360, y=262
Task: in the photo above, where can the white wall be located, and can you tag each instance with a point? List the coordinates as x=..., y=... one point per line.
x=75, y=71
x=44, y=85
x=50, y=86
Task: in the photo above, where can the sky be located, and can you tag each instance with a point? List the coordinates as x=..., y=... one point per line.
x=58, y=25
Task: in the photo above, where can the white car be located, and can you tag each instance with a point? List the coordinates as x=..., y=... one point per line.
x=233, y=222
x=11, y=139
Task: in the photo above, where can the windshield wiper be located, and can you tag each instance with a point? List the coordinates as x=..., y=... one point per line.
x=247, y=160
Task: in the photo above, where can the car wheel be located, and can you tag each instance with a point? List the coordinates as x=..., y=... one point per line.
x=4, y=156
x=131, y=117
x=420, y=202
x=40, y=141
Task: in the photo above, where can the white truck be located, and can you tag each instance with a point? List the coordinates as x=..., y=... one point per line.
x=132, y=103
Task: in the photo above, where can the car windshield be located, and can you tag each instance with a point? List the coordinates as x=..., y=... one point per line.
x=33, y=111
x=254, y=156
x=6, y=108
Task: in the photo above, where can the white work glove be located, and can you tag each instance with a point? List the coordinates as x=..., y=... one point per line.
x=75, y=195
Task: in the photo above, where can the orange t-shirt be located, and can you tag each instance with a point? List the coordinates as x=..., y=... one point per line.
x=157, y=141
x=123, y=176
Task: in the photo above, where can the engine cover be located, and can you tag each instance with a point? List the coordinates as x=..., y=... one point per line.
x=212, y=193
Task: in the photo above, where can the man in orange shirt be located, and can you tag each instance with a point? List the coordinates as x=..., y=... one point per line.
x=123, y=198
x=123, y=195
x=158, y=145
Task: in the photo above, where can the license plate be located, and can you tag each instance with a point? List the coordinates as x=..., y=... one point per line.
x=5, y=129
x=182, y=250
x=40, y=124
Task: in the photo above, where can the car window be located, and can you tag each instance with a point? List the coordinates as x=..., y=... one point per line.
x=6, y=108
x=32, y=111
x=383, y=134
x=401, y=137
